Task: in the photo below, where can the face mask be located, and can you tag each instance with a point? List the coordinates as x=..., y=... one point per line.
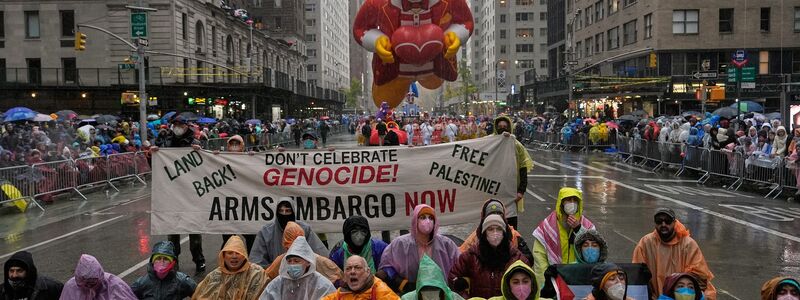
x=785, y=297
x=616, y=292
x=521, y=292
x=235, y=148
x=494, y=238
x=283, y=219
x=16, y=283
x=358, y=238
x=684, y=294
x=295, y=271
x=163, y=268
x=571, y=208
x=591, y=254
x=429, y=295
x=309, y=144
x=426, y=226
x=177, y=130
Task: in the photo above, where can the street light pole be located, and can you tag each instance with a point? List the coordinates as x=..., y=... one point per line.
x=250, y=70
x=496, y=80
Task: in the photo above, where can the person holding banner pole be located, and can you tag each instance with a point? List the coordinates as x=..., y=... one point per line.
x=503, y=125
x=401, y=259
x=268, y=245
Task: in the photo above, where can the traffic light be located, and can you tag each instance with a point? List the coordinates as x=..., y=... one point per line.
x=653, y=60
x=80, y=41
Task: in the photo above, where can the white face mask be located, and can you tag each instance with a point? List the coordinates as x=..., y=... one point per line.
x=571, y=208
x=616, y=292
x=178, y=130
x=494, y=237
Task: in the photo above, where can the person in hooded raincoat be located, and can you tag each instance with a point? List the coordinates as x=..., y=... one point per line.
x=556, y=233
x=268, y=241
x=780, y=288
x=503, y=125
x=358, y=241
x=325, y=266
x=91, y=282
x=681, y=286
x=496, y=207
x=235, y=278
x=401, y=258
x=162, y=281
x=298, y=278
x=360, y=284
x=430, y=282
x=518, y=283
x=609, y=282
x=23, y=281
x=590, y=247
x=670, y=249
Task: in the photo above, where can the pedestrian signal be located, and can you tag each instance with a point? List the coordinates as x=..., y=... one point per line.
x=80, y=41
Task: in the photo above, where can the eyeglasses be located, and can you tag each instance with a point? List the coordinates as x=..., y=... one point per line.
x=668, y=221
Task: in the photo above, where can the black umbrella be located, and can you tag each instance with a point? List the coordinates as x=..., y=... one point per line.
x=629, y=118
x=66, y=114
x=726, y=112
x=639, y=113
x=106, y=119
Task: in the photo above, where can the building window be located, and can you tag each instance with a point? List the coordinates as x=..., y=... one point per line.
x=502, y=49
x=598, y=43
x=579, y=20
x=678, y=63
x=795, y=61
x=542, y=2
x=726, y=20
x=797, y=18
x=629, y=33
x=67, y=23
x=765, y=16
x=542, y=16
x=214, y=41
x=578, y=50
x=2, y=67
x=311, y=52
x=763, y=62
x=502, y=18
x=32, y=25
x=542, y=31
x=525, y=17
x=685, y=21
x=311, y=7
x=185, y=26
x=524, y=47
x=311, y=68
x=311, y=37
x=502, y=33
x=525, y=2
x=613, y=38
x=629, y=3
x=524, y=32
x=543, y=63
x=200, y=36
x=648, y=26
x=34, y=70
x=588, y=47
x=2, y=25
x=587, y=16
x=598, y=11
x=613, y=6
x=278, y=23
x=70, y=70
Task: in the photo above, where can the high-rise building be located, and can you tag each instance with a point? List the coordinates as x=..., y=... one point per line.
x=510, y=39
x=282, y=19
x=328, y=45
x=360, y=61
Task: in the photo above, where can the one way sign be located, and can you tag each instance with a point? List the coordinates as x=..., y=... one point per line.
x=705, y=75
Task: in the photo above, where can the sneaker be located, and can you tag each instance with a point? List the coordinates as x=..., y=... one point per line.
x=200, y=268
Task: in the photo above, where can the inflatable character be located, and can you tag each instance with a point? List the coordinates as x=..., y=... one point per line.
x=412, y=40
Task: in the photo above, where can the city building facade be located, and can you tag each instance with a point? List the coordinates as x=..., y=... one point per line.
x=328, y=45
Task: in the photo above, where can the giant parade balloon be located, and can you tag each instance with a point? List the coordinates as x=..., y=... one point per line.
x=413, y=40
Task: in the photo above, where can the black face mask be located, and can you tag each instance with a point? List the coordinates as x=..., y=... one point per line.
x=16, y=284
x=284, y=219
x=500, y=130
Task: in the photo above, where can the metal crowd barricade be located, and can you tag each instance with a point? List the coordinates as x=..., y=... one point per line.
x=787, y=175
x=762, y=170
x=54, y=177
x=603, y=143
x=694, y=159
x=93, y=171
x=576, y=141
x=670, y=154
x=121, y=166
x=142, y=164
x=215, y=144
x=623, y=146
x=17, y=184
x=638, y=149
x=727, y=164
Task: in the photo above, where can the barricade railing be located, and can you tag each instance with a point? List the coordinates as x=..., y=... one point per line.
x=54, y=177
x=762, y=169
x=121, y=166
x=623, y=146
x=17, y=184
x=726, y=164
x=694, y=158
x=788, y=171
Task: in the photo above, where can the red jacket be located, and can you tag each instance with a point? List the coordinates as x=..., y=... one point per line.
x=484, y=282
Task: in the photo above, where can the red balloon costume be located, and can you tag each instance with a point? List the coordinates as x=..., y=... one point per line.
x=412, y=40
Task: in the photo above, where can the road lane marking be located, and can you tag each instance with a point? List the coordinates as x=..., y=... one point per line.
x=142, y=263
x=625, y=236
x=589, y=167
x=633, y=168
x=728, y=293
x=535, y=195
x=60, y=237
x=684, y=190
x=546, y=167
x=607, y=166
x=685, y=204
x=102, y=211
x=564, y=165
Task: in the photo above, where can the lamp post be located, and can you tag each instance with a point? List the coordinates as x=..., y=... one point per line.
x=496, y=79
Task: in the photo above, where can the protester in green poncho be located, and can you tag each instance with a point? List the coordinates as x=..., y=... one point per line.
x=430, y=283
x=358, y=241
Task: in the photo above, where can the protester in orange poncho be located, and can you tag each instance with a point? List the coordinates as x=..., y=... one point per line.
x=235, y=278
x=670, y=249
x=325, y=266
x=779, y=288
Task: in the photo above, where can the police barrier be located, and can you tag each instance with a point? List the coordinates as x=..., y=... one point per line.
x=121, y=166
x=53, y=177
x=764, y=170
x=17, y=186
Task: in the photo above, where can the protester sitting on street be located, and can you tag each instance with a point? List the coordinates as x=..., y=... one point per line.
x=325, y=266
x=298, y=278
x=360, y=283
x=162, y=280
x=496, y=207
x=609, y=282
x=23, y=281
x=430, y=283
x=590, y=247
x=401, y=258
x=556, y=234
x=681, y=286
x=92, y=283
x=781, y=288
x=358, y=241
x=268, y=241
x=478, y=270
x=518, y=283
x=503, y=125
x=235, y=278
x=670, y=249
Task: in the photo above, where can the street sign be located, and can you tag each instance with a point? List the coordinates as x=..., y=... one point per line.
x=138, y=25
x=705, y=75
x=739, y=58
x=501, y=74
x=572, y=62
x=748, y=85
x=748, y=74
x=706, y=65
x=143, y=42
x=127, y=66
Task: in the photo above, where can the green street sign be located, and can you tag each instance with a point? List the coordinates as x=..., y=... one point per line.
x=127, y=66
x=749, y=74
x=138, y=25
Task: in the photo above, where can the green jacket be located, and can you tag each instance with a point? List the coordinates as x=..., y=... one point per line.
x=430, y=274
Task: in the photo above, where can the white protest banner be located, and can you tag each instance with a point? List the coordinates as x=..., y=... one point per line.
x=200, y=192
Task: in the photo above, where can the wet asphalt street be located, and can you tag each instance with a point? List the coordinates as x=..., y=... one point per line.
x=746, y=238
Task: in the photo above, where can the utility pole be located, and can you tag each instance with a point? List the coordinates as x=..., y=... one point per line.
x=140, y=51
x=250, y=68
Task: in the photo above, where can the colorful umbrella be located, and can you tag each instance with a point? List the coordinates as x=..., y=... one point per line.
x=13, y=193
x=66, y=114
x=726, y=112
x=42, y=118
x=748, y=106
x=20, y=116
x=18, y=109
x=207, y=121
x=253, y=122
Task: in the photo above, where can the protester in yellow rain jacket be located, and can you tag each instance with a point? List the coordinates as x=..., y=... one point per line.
x=235, y=278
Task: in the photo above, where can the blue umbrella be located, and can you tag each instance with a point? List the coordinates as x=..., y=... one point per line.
x=19, y=116
x=207, y=121
x=167, y=116
x=748, y=106
x=18, y=109
x=253, y=122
